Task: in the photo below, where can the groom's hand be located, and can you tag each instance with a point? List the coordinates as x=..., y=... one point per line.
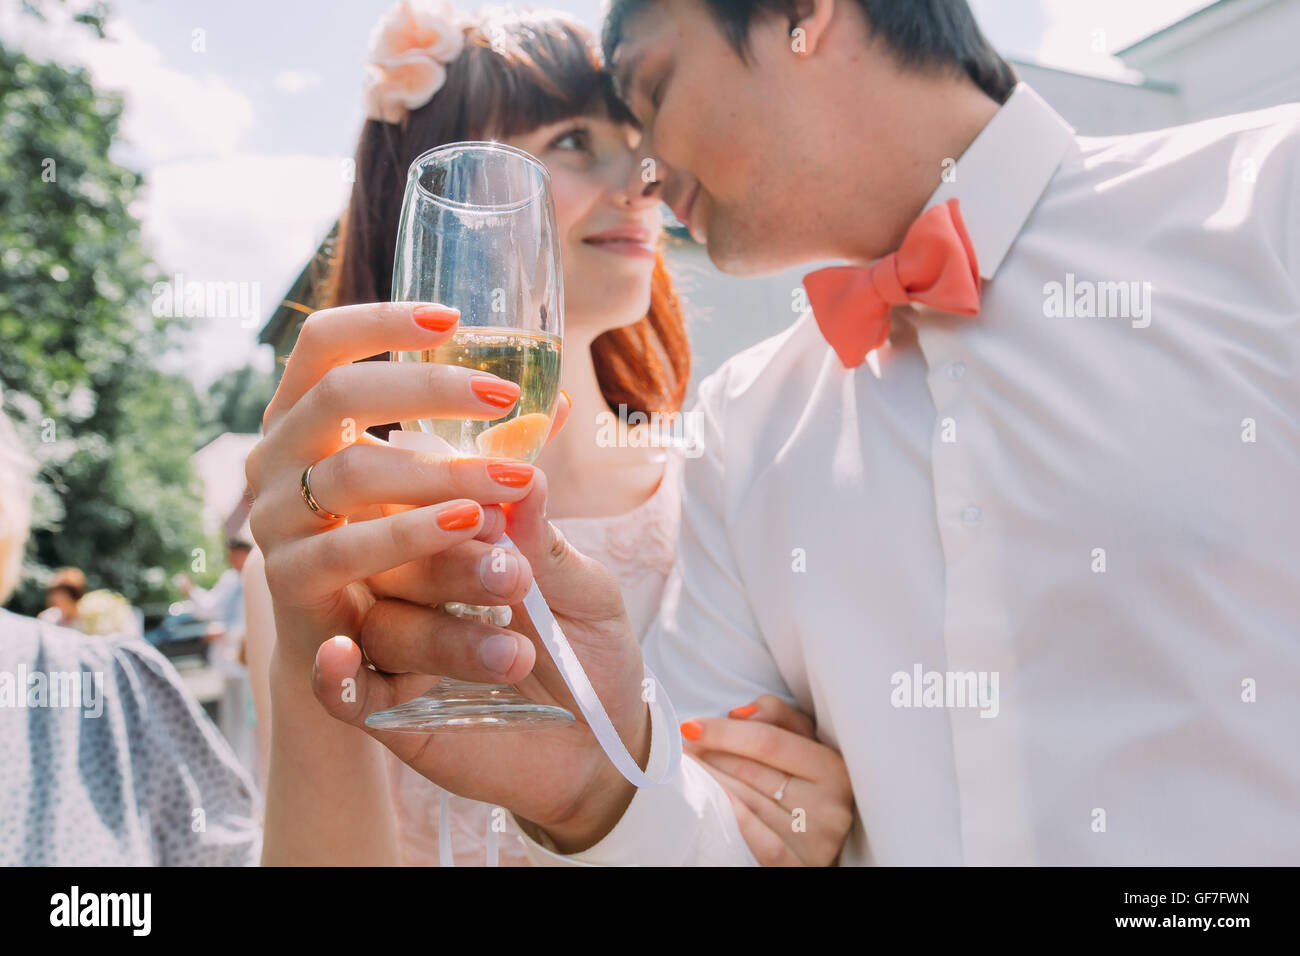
x=557, y=778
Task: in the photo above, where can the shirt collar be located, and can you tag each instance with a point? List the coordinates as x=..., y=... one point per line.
x=1003, y=173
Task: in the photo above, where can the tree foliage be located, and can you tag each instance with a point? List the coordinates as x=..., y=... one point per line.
x=235, y=403
x=79, y=345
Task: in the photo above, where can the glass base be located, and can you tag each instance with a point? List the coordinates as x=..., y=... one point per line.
x=452, y=705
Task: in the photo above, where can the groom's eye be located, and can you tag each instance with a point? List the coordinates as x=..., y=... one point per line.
x=641, y=82
x=624, y=87
x=642, y=105
x=657, y=97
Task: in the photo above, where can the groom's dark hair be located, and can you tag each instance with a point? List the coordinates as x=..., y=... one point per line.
x=921, y=33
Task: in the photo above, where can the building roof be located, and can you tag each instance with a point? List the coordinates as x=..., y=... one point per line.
x=297, y=303
x=1133, y=78
x=220, y=467
x=1192, y=26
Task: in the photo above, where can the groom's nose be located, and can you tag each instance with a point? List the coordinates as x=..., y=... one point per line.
x=646, y=190
x=646, y=176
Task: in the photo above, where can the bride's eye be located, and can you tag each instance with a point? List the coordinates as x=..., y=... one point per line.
x=577, y=138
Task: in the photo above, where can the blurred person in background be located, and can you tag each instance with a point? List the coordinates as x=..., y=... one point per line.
x=223, y=605
x=108, y=760
x=65, y=589
x=100, y=612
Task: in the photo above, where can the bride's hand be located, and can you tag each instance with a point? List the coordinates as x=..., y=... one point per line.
x=766, y=748
x=325, y=574
x=418, y=533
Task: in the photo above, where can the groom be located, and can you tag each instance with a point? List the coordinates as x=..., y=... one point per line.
x=1032, y=564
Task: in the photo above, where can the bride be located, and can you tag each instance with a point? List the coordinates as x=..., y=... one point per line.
x=532, y=80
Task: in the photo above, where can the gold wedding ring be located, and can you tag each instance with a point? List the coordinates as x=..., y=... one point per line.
x=308, y=497
x=367, y=662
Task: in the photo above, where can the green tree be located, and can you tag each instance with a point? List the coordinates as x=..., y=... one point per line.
x=79, y=345
x=235, y=402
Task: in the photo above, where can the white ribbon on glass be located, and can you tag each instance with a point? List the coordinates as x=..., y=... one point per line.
x=593, y=711
x=575, y=678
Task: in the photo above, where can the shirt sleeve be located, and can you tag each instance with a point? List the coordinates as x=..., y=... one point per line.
x=706, y=645
x=1294, y=237
x=706, y=649
x=204, y=601
x=687, y=821
x=202, y=805
x=215, y=604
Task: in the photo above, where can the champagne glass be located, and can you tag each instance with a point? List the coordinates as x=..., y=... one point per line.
x=477, y=232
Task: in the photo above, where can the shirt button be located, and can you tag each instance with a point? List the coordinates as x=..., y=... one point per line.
x=971, y=516
x=955, y=371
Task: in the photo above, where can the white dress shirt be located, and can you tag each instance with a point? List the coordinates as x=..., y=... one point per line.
x=1098, y=511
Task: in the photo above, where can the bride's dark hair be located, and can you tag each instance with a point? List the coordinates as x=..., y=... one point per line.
x=517, y=71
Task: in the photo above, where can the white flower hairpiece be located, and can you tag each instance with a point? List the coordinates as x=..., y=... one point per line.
x=410, y=48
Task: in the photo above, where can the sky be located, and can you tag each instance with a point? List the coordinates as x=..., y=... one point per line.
x=242, y=115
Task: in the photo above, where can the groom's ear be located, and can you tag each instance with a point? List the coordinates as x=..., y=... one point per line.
x=809, y=29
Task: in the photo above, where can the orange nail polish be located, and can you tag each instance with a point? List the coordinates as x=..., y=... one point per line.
x=740, y=713
x=459, y=517
x=692, y=729
x=495, y=391
x=566, y=397
x=512, y=474
x=435, y=318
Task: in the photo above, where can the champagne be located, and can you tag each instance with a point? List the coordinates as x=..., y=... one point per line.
x=477, y=231
x=529, y=359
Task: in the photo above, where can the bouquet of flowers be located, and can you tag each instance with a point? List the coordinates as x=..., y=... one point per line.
x=105, y=612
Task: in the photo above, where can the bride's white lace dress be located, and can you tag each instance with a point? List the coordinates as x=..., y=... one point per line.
x=638, y=548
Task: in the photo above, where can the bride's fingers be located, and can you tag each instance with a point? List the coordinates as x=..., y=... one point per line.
x=352, y=479
x=350, y=398
x=780, y=749
x=770, y=709
x=332, y=337
x=762, y=832
x=481, y=573
x=345, y=685
x=308, y=572
x=773, y=815
x=493, y=527
x=349, y=691
x=563, y=405
x=760, y=776
x=411, y=638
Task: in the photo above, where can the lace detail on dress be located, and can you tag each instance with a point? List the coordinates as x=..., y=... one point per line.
x=638, y=542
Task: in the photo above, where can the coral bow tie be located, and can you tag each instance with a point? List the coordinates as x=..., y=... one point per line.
x=934, y=266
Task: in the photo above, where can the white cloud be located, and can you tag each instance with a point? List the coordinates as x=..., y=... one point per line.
x=239, y=218
x=296, y=81
x=169, y=113
x=208, y=210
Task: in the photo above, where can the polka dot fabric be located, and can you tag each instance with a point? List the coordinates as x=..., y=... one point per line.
x=148, y=782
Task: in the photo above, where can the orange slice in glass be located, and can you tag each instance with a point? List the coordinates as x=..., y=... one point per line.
x=521, y=437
